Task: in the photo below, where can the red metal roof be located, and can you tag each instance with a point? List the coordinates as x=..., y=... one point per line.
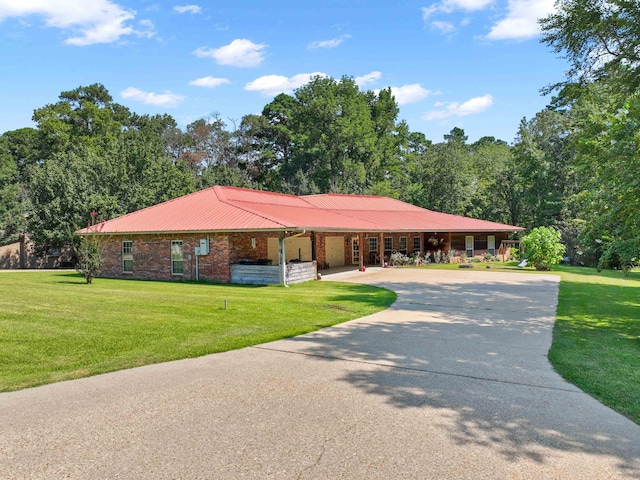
x=220, y=209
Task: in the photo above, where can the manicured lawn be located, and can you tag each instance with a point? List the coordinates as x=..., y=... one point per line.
x=54, y=327
x=596, y=339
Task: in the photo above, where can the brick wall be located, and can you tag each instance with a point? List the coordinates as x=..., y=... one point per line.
x=152, y=253
x=152, y=258
x=241, y=245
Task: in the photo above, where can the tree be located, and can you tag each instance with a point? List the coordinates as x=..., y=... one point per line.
x=446, y=174
x=88, y=249
x=543, y=152
x=543, y=248
x=498, y=189
x=95, y=155
x=12, y=211
x=609, y=165
x=601, y=41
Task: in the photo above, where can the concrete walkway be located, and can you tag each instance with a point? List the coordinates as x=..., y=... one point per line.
x=452, y=382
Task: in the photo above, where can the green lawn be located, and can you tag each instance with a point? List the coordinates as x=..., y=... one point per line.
x=54, y=327
x=596, y=339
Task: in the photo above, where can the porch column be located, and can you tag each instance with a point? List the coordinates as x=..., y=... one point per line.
x=283, y=263
x=381, y=248
x=361, y=251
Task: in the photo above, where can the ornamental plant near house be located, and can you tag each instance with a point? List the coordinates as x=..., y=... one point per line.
x=88, y=249
x=543, y=248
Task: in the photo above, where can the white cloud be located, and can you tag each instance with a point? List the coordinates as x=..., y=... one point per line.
x=187, y=9
x=449, y=6
x=97, y=21
x=209, y=82
x=334, y=42
x=166, y=99
x=270, y=85
x=443, y=27
x=455, y=109
x=521, y=22
x=368, y=78
x=409, y=93
x=239, y=53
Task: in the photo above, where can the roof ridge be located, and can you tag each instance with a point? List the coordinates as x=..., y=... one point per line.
x=245, y=209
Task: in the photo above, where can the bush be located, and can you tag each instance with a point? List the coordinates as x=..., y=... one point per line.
x=88, y=249
x=621, y=255
x=543, y=248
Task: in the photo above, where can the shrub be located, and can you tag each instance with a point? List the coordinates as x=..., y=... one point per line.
x=88, y=249
x=543, y=248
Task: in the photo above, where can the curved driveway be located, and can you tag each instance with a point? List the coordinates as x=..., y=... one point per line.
x=451, y=382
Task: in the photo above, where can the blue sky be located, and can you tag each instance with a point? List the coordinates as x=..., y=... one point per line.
x=473, y=64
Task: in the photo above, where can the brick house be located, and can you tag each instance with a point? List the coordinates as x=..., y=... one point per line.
x=230, y=234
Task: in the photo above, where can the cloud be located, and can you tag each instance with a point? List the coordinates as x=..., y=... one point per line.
x=521, y=22
x=368, y=78
x=166, y=99
x=187, y=9
x=443, y=27
x=455, y=109
x=333, y=43
x=209, y=82
x=449, y=6
x=271, y=85
x=412, y=93
x=239, y=53
x=97, y=21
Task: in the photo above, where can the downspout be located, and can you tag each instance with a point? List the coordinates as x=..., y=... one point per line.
x=283, y=262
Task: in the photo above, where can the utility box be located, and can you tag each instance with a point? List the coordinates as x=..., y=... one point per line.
x=204, y=246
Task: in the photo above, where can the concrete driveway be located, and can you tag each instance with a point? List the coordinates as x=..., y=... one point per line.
x=451, y=382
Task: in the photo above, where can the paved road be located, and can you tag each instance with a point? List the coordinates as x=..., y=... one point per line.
x=452, y=382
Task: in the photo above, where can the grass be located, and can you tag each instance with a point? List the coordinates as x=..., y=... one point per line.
x=54, y=327
x=596, y=338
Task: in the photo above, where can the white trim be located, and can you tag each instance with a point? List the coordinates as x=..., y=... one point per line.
x=176, y=242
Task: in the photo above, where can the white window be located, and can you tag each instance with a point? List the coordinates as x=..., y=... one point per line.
x=388, y=244
x=402, y=245
x=127, y=256
x=177, y=259
x=373, y=244
x=417, y=244
x=468, y=243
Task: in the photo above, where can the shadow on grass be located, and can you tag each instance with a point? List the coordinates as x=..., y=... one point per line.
x=476, y=354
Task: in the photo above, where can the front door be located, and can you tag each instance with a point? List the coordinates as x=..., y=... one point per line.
x=468, y=243
x=355, y=251
x=491, y=244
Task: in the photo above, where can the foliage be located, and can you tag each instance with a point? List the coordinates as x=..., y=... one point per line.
x=51, y=329
x=601, y=41
x=12, y=208
x=543, y=247
x=89, y=154
x=89, y=249
x=543, y=153
x=609, y=160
